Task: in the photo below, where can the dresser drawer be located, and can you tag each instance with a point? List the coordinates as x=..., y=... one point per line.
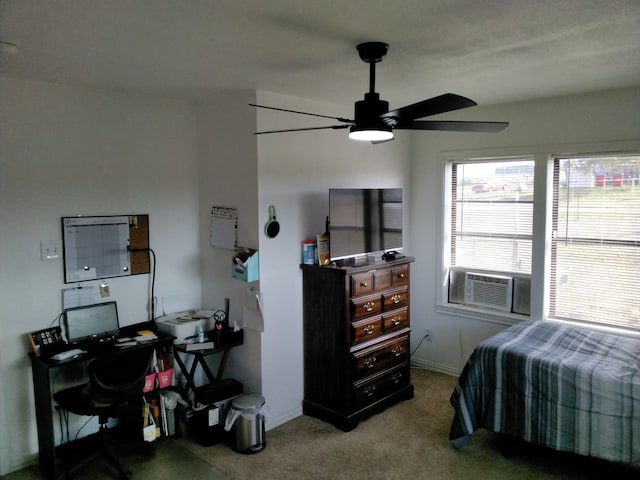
x=362, y=283
x=395, y=298
x=382, y=279
x=395, y=320
x=400, y=275
x=372, y=389
x=381, y=356
x=366, y=306
x=365, y=330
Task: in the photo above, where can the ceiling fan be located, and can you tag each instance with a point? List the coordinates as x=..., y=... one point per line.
x=375, y=123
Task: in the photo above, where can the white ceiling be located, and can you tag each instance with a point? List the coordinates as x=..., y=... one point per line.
x=492, y=51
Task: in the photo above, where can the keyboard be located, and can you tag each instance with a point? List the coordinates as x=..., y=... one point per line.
x=96, y=346
x=67, y=354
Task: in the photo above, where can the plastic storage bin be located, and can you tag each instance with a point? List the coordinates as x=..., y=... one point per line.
x=210, y=420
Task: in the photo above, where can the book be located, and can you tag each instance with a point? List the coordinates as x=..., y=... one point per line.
x=198, y=346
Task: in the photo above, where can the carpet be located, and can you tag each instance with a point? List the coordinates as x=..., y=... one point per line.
x=406, y=441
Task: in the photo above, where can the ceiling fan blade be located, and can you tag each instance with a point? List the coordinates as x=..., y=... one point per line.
x=376, y=142
x=334, y=127
x=425, y=108
x=455, y=126
x=340, y=119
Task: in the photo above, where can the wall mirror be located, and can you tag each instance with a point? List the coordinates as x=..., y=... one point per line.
x=272, y=227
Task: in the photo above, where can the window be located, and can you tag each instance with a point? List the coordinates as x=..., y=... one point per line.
x=491, y=215
x=595, y=248
x=588, y=231
x=491, y=222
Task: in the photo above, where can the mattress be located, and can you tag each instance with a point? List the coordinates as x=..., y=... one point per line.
x=569, y=388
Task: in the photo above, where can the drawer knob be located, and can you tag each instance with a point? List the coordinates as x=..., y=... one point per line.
x=364, y=284
x=370, y=390
x=396, y=298
x=396, y=377
x=396, y=321
x=401, y=276
x=369, y=306
x=370, y=361
x=397, y=350
x=368, y=330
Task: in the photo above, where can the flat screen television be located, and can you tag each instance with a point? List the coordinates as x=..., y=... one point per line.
x=364, y=221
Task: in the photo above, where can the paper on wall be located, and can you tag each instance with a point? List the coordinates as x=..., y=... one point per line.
x=79, y=296
x=253, y=316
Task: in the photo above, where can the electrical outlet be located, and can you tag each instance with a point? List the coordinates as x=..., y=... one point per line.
x=427, y=335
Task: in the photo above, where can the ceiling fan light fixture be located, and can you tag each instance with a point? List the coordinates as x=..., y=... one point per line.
x=370, y=134
x=374, y=122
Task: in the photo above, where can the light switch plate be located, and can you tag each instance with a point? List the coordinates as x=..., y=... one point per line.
x=50, y=250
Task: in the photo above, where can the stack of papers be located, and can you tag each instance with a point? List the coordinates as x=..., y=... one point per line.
x=145, y=335
x=198, y=346
x=199, y=315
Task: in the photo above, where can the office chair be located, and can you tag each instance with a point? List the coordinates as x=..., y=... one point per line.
x=114, y=388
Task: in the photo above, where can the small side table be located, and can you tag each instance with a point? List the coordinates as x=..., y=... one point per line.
x=234, y=339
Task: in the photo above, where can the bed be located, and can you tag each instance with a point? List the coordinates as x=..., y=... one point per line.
x=569, y=388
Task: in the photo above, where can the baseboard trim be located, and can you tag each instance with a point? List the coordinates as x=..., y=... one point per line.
x=273, y=422
x=24, y=462
x=436, y=367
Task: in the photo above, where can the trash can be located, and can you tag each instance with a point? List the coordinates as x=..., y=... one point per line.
x=247, y=417
x=214, y=402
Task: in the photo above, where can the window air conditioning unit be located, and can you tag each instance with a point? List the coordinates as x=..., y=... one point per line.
x=488, y=291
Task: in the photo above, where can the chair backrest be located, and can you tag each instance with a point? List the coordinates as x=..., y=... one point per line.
x=116, y=377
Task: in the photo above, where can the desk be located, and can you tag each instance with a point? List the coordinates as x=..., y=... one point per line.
x=41, y=370
x=235, y=339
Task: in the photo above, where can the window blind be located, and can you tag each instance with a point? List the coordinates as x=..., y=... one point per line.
x=492, y=214
x=595, y=247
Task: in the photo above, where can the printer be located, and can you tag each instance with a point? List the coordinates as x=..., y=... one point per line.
x=183, y=325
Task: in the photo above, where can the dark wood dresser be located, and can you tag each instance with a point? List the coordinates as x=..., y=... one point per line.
x=356, y=340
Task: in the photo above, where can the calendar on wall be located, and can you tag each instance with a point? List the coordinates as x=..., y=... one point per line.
x=224, y=228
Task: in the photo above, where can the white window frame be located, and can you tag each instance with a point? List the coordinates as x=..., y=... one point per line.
x=541, y=258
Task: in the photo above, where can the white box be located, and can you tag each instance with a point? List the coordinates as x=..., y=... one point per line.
x=182, y=329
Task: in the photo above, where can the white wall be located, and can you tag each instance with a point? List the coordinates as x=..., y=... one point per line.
x=580, y=123
x=68, y=151
x=296, y=171
x=228, y=176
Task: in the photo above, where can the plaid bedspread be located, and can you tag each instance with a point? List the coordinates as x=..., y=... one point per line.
x=568, y=388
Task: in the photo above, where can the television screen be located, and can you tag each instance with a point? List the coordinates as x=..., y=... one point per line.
x=364, y=221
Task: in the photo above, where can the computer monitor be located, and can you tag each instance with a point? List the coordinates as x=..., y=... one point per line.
x=91, y=322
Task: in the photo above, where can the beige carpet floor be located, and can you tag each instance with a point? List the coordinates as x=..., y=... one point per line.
x=407, y=441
